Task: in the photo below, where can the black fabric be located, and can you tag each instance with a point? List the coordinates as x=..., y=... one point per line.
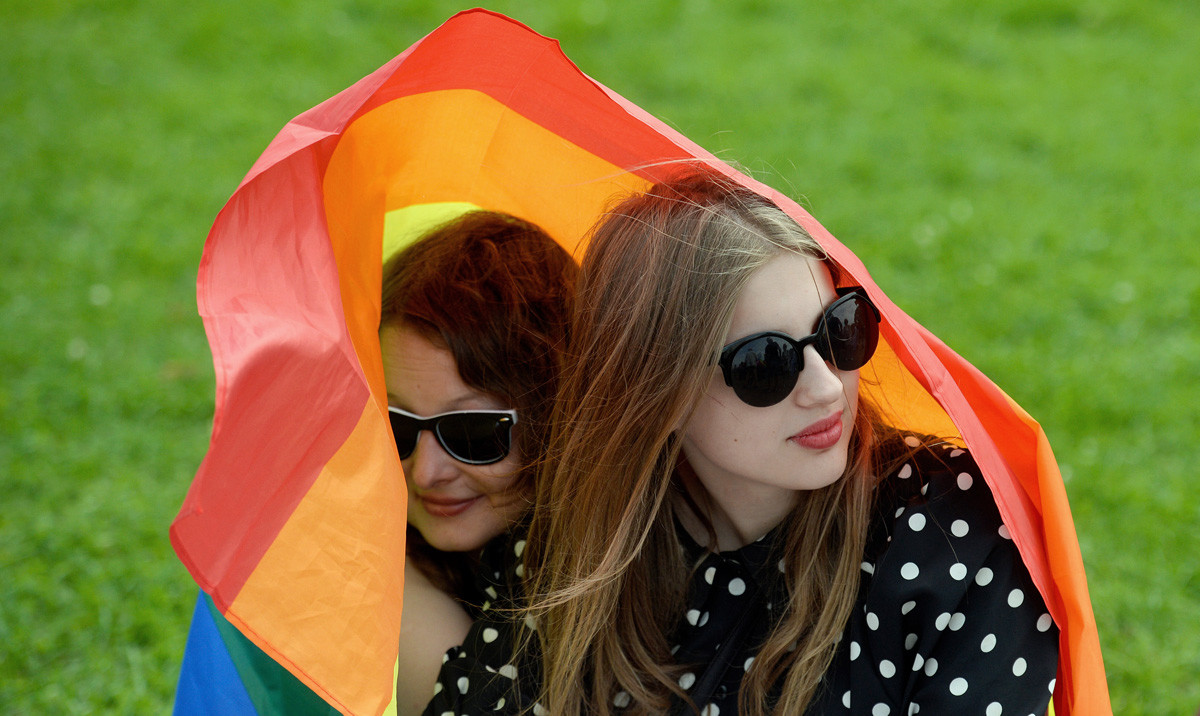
x=947, y=619
x=705, y=689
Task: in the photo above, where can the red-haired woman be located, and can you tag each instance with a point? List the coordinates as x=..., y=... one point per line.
x=472, y=330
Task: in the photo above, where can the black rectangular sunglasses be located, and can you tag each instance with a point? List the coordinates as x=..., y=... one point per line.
x=474, y=437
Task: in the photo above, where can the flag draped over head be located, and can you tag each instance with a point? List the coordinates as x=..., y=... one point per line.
x=294, y=525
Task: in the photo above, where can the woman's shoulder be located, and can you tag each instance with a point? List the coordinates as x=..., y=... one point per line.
x=948, y=613
x=485, y=673
x=941, y=482
x=936, y=523
x=432, y=622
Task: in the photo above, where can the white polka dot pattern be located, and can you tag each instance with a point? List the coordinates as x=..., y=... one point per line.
x=947, y=615
x=970, y=626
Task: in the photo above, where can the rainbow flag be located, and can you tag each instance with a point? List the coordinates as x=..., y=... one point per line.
x=293, y=526
x=225, y=674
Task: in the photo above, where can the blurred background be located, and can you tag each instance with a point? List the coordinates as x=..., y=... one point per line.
x=1021, y=176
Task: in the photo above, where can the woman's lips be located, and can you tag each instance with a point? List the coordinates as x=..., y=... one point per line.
x=821, y=435
x=446, y=507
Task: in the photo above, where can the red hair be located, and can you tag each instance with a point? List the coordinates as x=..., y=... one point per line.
x=495, y=291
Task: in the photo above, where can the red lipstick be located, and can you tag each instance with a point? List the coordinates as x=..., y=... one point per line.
x=821, y=435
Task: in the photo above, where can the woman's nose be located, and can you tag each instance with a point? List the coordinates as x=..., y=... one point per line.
x=429, y=465
x=819, y=382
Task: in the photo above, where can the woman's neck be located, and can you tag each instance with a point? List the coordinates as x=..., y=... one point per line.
x=698, y=511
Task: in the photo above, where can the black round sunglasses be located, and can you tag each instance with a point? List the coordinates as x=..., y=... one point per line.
x=763, y=368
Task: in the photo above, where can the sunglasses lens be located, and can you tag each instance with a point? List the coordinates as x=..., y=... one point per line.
x=764, y=371
x=851, y=334
x=475, y=438
x=406, y=430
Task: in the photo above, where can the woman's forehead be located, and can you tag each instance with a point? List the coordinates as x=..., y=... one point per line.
x=786, y=294
x=422, y=376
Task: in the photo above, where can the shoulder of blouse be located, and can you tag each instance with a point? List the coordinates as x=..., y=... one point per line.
x=948, y=614
x=935, y=526
x=943, y=483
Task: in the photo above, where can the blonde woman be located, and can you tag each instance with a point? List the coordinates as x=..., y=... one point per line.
x=724, y=524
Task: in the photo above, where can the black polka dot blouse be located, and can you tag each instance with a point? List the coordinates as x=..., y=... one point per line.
x=947, y=621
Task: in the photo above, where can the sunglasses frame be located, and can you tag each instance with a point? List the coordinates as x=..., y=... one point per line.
x=506, y=418
x=844, y=294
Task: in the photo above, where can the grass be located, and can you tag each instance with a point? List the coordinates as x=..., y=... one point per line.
x=1019, y=175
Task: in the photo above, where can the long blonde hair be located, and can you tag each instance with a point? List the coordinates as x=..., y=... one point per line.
x=607, y=573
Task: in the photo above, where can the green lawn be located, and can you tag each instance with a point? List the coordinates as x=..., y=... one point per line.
x=1020, y=175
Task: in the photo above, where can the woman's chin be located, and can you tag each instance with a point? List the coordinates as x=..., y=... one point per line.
x=463, y=533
